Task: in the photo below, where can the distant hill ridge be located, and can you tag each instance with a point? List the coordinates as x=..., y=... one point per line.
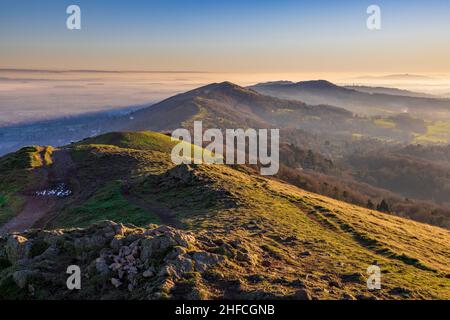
x=224, y=105
x=365, y=101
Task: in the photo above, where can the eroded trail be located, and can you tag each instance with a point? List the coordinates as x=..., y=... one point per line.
x=34, y=210
x=39, y=203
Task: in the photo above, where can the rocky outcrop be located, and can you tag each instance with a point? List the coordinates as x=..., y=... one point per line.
x=116, y=262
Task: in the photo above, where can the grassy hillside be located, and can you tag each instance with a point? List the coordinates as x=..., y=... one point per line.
x=144, y=140
x=331, y=133
x=255, y=237
x=20, y=171
x=226, y=105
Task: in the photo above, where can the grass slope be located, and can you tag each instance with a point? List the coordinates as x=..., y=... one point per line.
x=143, y=140
x=290, y=238
x=18, y=172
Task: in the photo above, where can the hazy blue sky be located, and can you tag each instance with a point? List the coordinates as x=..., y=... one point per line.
x=253, y=36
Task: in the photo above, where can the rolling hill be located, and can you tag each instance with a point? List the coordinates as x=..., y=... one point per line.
x=197, y=231
x=226, y=105
x=312, y=137
x=358, y=101
x=391, y=91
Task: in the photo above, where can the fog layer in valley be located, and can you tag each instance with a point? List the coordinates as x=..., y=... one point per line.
x=29, y=96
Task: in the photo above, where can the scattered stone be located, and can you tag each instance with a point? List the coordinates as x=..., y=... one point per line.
x=297, y=284
x=305, y=254
x=365, y=297
x=22, y=277
x=247, y=257
x=157, y=262
x=101, y=266
x=400, y=291
x=148, y=273
x=255, y=278
x=16, y=247
x=347, y=296
x=352, y=277
x=116, y=282
x=335, y=283
x=301, y=294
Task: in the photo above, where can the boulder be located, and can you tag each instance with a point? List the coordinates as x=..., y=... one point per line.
x=302, y=294
x=17, y=247
x=22, y=277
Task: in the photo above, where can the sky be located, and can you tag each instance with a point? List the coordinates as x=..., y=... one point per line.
x=227, y=36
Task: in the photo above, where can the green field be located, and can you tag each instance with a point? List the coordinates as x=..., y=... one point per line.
x=437, y=133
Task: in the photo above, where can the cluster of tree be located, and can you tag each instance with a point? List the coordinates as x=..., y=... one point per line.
x=295, y=157
x=365, y=195
x=382, y=206
x=403, y=174
x=405, y=122
x=436, y=153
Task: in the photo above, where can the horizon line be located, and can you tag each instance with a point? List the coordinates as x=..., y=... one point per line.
x=360, y=74
x=97, y=71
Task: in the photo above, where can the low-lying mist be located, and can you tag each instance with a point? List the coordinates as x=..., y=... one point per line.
x=29, y=96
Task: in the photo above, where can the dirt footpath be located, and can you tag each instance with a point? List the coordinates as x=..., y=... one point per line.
x=37, y=208
x=34, y=210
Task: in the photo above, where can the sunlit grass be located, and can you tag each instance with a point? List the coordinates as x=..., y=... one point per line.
x=437, y=133
x=385, y=123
